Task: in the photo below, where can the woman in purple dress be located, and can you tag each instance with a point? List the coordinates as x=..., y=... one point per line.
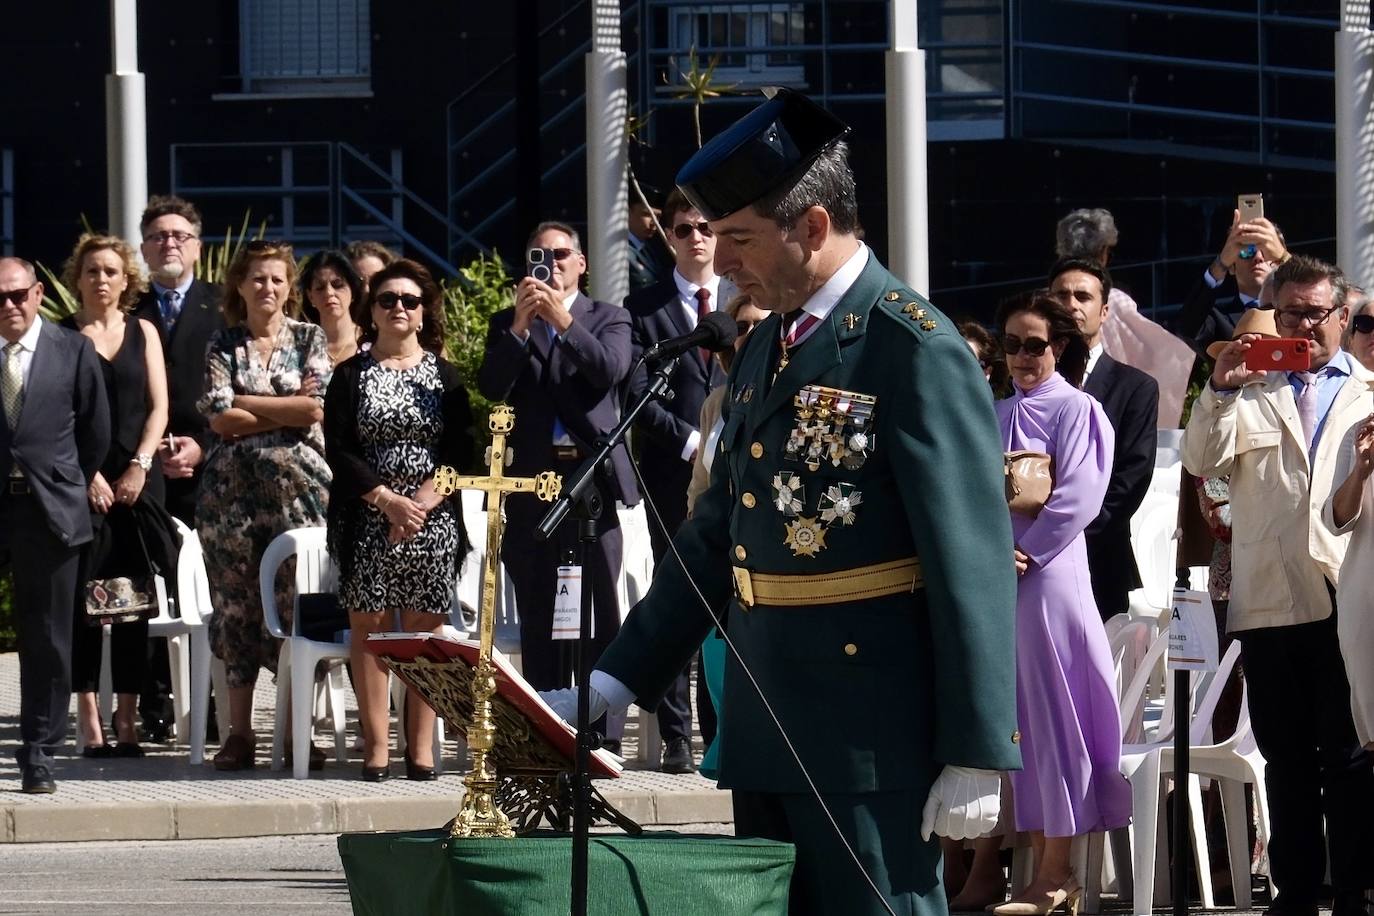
x=1065, y=687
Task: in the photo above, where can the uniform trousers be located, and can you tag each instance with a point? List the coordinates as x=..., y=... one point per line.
x=882, y=828
x=1300, y=712
x=46, y=576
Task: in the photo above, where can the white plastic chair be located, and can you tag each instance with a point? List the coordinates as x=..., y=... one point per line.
x=1154, y=541
x=193, y=603
x=299, y=656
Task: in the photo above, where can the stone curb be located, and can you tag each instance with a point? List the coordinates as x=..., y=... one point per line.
x=203, y=820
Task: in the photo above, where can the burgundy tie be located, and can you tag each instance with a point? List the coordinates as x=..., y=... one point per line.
x=704, y=309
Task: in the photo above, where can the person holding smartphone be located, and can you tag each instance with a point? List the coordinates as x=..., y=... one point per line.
x=559, y=358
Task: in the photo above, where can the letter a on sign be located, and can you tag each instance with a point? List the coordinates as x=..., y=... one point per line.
x=567, y=603
x=1192, y=632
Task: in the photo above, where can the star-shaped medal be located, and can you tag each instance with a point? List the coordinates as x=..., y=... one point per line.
x=838, y=504
x=805, y=536
x=788, y=493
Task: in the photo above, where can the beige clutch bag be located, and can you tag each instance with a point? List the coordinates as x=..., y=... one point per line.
x=1030, y=478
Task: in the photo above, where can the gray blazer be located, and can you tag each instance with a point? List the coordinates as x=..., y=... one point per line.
x=63, y=430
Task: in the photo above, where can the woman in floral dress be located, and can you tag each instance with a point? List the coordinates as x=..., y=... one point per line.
x=265, y=378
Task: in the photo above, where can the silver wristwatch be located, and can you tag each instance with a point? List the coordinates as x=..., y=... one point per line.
x=143, y=461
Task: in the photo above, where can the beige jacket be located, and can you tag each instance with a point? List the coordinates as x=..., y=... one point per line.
x=1282, y=553
x=1355, y=598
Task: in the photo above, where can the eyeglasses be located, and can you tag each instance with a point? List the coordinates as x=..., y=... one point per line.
x=685, y=230
x=387, y=301
x=1363, y=324
x=1292, y=319
x=536, y=255
x=162, y=238
x=17, y=296
x=1032, y=345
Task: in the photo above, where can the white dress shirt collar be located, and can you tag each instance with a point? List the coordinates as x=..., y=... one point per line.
x=1094, y=355
x=687, y=294
x=824, y=300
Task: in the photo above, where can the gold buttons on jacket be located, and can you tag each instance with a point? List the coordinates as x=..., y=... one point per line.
x=748, y=500
x=1016, y=737
x=740, y=553
x=851, y=649
x=756, y=449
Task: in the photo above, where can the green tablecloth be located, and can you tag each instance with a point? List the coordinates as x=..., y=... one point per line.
x=424, y=872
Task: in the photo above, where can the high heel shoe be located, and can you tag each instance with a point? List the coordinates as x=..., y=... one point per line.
x=377, y=774
x=1067, y=897
x=418, y=773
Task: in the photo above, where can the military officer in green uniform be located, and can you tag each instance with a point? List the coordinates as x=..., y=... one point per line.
x=857, y=515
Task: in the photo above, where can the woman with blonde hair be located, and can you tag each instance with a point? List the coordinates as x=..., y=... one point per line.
x=103, y=274
x=265, y=377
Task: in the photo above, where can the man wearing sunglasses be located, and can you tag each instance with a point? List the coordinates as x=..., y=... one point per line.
x=1279, y=435
x=54, y=434
x=666, y=436
x=1231, y=283
x=559, y=358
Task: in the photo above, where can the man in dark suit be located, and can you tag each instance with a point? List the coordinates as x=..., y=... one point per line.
x=559, y=359
x=856, y=511
x=650, y=261
x=185, y=310
x=1231, y=283
x=1130, y=398
x=55, y=433
x=666, y=435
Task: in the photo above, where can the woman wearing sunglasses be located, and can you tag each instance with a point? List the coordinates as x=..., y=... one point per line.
x=1359, y=334
x=265, y=376
x=1066, y=700
x=393, y=415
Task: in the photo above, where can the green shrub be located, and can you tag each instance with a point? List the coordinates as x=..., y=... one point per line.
x=7, y=636
x=482, y=290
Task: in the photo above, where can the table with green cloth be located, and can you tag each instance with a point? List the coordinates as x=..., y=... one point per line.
x=427, y=872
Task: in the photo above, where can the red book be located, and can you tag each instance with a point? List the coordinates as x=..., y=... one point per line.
x=530, y=737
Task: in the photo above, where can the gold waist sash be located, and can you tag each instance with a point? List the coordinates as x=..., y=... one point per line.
x=895, y=577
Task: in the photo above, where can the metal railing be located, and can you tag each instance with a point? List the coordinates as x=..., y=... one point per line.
x=315, y=195
x=1252, y=85
x=481, y=139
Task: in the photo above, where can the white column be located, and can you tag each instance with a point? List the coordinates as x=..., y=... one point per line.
x=607, y=109
x=126, y=130
x=1355, y=143
x=908, y=219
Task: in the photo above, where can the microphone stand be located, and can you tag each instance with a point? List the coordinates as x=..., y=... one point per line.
x=582, y=498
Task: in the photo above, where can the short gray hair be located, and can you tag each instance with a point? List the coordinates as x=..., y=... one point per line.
x=555, y=226
x=828, y=183
x=1085, y=234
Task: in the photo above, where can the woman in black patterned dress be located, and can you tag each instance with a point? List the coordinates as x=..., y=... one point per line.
x=392, y=415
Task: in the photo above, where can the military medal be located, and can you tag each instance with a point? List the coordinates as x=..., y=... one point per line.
x=838, y=503
x=831, y=425
x=805, y=536
x=788, y=493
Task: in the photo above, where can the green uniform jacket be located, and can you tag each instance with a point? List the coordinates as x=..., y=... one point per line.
x=877, y=694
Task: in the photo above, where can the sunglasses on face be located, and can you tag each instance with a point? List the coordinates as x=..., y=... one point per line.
x=1363, y=324
x=1033, y=345
x=16, y=297
x=536, y=255
x=684, y=230
x=387, y=301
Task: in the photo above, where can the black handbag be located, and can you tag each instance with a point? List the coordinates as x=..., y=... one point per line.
x=320, y=618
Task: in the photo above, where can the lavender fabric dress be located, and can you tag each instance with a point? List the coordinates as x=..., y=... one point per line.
x=1066, y=702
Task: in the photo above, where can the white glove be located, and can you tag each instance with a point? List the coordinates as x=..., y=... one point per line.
x=564, y=703
x=964, y=803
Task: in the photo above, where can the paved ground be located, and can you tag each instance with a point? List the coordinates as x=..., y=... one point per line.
x=163, y=797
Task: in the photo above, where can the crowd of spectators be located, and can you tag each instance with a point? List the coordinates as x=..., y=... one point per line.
x=318, y=395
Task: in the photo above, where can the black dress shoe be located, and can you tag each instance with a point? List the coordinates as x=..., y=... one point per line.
x=128, y=749
x=98, y=751
x=376, y=774
x=1283, y=908
x=418, y=773
x=677, y=757
x=38, y=780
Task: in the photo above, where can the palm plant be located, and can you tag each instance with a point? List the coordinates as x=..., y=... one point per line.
x=699, y=84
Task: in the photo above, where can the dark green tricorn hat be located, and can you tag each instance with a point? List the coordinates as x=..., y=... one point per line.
x=770, y=147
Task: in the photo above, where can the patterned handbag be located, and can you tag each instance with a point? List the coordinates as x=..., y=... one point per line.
x=123, y=599
x=120, y=599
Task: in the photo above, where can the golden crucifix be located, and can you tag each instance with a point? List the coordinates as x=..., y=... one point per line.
x=479, y=816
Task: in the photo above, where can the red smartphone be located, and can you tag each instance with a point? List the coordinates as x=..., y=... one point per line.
x=1279, y=354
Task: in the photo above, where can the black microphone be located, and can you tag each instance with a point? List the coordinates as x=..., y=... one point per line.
x=715, y=331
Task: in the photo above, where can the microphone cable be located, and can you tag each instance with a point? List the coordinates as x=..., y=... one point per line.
x=768, y=707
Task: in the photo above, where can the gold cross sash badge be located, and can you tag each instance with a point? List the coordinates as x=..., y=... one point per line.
x=479, y=816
